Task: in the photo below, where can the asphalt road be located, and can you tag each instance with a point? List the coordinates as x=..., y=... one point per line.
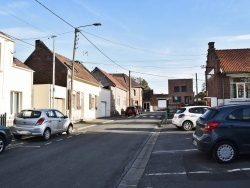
x=100, y=155
x=176, y=163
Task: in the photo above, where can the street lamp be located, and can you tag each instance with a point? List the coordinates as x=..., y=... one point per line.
x=72, y=71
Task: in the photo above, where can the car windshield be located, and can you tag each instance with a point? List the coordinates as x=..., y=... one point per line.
x=29, y=114
x=210, y=113
x=180, y=110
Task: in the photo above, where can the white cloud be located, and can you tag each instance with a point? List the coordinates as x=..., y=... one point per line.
x=233, y=38
x=19, y=4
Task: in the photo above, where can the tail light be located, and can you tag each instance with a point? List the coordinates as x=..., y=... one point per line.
x=181, y=115
x=209, y=126
x=40, y=121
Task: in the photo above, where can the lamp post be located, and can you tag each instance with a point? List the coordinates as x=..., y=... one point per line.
x=72, y=71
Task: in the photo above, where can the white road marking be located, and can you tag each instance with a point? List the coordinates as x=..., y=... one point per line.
x=174, y=151
x=151, y=116
x=198, y=172
x=69, y=136
x=107, y=121
x=59, y=140
x=86, y=127
x=48, y=143
x=30, y=146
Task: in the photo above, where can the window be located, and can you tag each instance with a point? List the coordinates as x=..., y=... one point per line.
x=240, y=87
x=74, y=101
x=59, y=114
x=183, y=88
x=240, y=114
x=134, y=91
x=176, y=89
x=176, y=99
x=118, y=101
x=91, y=102
x=196, y=110
x=15, y=102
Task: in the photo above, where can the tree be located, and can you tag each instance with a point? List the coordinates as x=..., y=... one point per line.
x=143, y=83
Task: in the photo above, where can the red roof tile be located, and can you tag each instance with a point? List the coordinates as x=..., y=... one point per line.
x=124, y=80
x=112, y=79
x=80, y=70
x=234, y=60
x=18, y=63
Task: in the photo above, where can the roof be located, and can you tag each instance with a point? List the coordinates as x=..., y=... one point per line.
x=124, y=80
x=18, y=63
x=234, y=60
x=80, y=70
x=111, y=78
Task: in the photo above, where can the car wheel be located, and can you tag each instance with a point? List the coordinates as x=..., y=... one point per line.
x=46, y=134
x=70, y=129
x=17, y=136
x=2, y=144
x=187, y=126
x=224, y=152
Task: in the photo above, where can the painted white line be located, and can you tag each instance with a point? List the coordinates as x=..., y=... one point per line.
x=107, y=121
x=59, y=140
x=69, y=136
x=48, y=143
x=173, y=151
x=151, y=116
x=158, y=116
x=30, y=146
x=86, y=127
x=198, y=172
x=144, y=116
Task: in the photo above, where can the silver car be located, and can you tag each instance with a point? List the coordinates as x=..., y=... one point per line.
x=41, y=122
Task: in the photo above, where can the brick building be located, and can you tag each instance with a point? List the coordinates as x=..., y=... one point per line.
x=180, y=92
x=227, y=76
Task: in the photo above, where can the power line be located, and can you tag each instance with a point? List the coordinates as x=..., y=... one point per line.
x=138, y=48
x=23, y=21
x=55, y=14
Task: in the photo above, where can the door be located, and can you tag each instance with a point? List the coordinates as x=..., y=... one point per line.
x=61, y=127
x=103, y=109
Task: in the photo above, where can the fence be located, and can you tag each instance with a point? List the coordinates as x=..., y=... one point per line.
x=3, y=119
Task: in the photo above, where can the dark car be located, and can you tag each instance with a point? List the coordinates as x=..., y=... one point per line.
x=5, y=137
x=224, y=131
x=139, y=108
x=131, y=110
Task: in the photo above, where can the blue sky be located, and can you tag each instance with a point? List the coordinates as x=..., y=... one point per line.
x=165, y=38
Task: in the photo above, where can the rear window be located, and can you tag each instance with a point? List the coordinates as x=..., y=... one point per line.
x=210, y=113
x=29, y=114
x=180, y=110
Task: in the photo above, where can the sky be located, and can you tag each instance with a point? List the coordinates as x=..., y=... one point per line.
x=156, y=40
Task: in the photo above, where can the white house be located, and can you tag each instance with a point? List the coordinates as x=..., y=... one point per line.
x=16, y=81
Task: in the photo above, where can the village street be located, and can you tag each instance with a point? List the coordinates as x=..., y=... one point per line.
x=118, y=152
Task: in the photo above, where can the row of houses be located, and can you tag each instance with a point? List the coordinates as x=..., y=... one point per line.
x=29, y=85
x=96, y=94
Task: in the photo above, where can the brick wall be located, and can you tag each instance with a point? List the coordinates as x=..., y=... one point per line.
x=41, y=61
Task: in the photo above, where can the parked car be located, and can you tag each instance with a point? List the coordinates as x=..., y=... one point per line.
x=131, y=110
x=5, y=137
x=139, y=108
x=224, y=132
x=186, y=117
x=41, y=122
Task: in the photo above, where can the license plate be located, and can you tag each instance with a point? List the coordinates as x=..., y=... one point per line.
x=23, y=132
x=195, y=142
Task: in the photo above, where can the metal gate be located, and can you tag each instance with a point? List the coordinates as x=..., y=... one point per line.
x=3, y=119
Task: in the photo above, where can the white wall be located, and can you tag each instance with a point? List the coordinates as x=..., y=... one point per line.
x=87, y=89
x=13, y=78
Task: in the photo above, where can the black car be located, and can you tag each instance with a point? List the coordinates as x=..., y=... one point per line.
x=5, y=137
x=224, y=131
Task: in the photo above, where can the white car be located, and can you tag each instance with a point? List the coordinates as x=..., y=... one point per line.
x=186, y=117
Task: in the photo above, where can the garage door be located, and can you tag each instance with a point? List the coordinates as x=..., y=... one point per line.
x=103, y=109
x=162, y=103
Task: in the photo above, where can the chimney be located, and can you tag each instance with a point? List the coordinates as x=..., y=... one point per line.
x=211, y=45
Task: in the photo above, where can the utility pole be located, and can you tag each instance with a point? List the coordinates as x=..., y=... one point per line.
x=73, y=69
x=129, y=93
x=196, y=84
x=72, y=76
x=53, y=74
